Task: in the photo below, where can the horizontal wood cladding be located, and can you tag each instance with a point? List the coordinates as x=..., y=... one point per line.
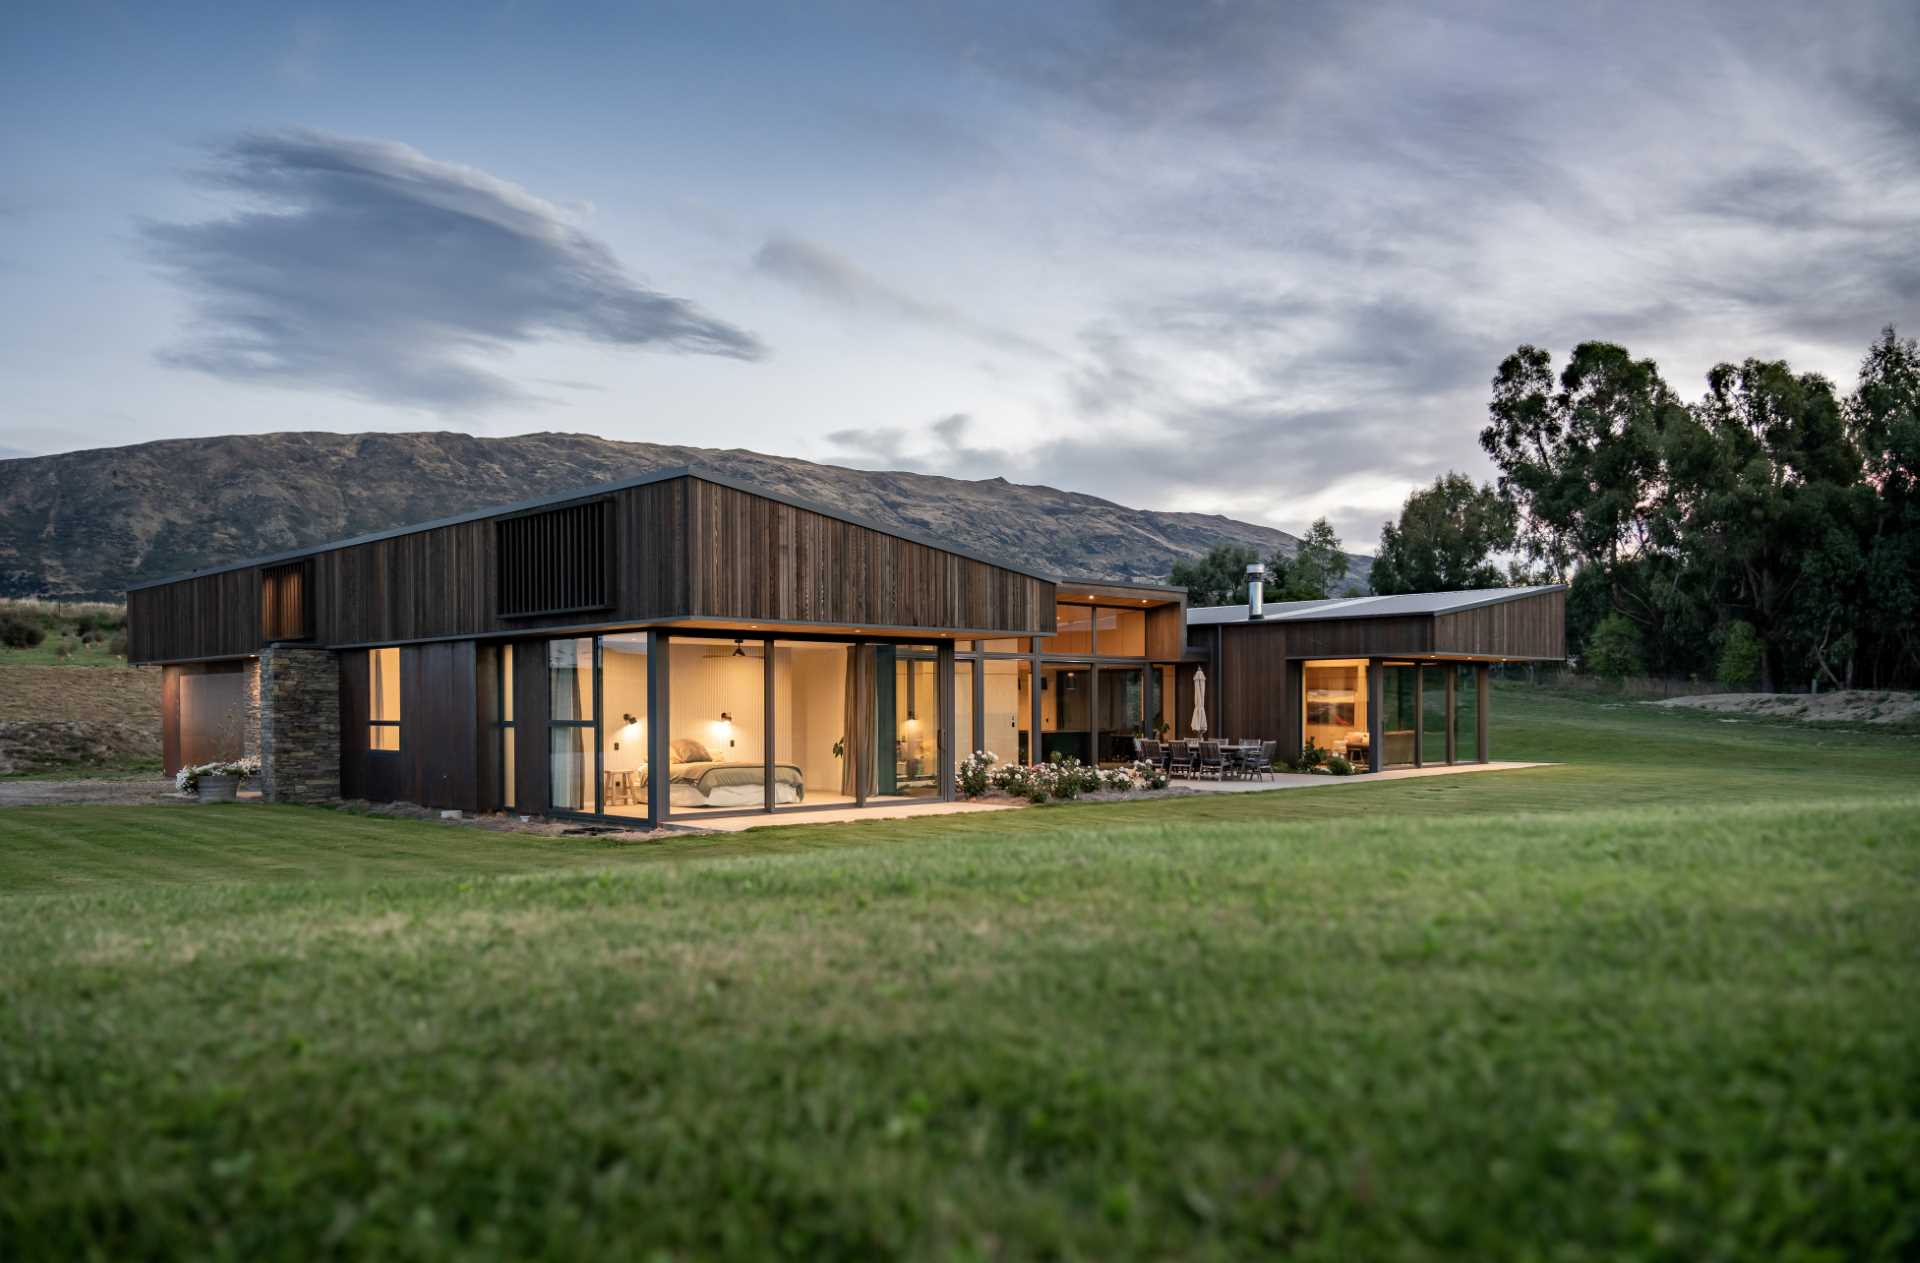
x=760, y=559
x=1526, y=627
x=556, y=561
x=206, y=616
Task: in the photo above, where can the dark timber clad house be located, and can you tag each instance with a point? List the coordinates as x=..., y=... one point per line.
x=682, y=645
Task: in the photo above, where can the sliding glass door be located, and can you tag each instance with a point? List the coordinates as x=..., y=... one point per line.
x=623, y=727
x=815, y=738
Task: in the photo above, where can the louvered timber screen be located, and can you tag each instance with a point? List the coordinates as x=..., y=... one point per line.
x=556, y=562
x=286, y=611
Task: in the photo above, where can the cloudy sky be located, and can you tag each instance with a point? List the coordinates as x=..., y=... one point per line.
x=1259, y=259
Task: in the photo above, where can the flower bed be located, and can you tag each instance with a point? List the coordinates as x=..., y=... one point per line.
x=979, y=775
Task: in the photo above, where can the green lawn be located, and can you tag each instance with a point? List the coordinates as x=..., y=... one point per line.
x=1661, y=1002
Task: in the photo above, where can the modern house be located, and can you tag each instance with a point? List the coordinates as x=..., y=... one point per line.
x=683, y=645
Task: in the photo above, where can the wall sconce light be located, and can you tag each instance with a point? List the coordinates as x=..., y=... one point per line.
x=726, y=725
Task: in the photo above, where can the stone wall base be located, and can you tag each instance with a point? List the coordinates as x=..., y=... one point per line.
x=299, y=725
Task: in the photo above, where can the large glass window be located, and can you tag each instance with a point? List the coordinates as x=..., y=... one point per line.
x=505, y=731
x=570, y=753
x=383, y=700
x=964, y=737
x=907, y=708
x=1120, y=633
x=623, y=728
x=1066, y=712
x=1396, y=714
x=1466, y=714
x=716, y=703
x=1014, y=644
x=1433, y=716
x=1006, y=714
x=1335, y=714
x=1073, y=630
x=814, y=755
x=1122, y=713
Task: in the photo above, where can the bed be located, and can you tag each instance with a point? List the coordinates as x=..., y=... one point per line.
x=697, y=779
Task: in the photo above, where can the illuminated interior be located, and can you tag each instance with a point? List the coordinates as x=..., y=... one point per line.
x=813, y=709
x=716, y=708
x=623, y=728
x=1334, y=706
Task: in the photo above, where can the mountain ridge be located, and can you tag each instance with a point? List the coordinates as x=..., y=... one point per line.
x=85, y=524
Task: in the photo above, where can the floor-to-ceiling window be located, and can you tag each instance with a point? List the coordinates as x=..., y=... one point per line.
x=964, y=742
x=1119, y=633
x=1073, y=630
x=907, y=716
x=716, y=708
x=1334, y=706
x=1397, y=709
x=815, y=753
x=570, y=724
x=1433, y=713
x=1066, y=712
x=623, y=724
x=1122, y=712
x=1006, y=711
x=1466, y=713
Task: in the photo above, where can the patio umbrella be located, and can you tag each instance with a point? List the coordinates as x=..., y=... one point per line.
x=1199, y=722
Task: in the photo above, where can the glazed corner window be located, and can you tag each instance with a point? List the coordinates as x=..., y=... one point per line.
x=383, y=699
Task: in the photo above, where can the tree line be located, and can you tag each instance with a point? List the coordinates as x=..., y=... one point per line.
x=1767, y=533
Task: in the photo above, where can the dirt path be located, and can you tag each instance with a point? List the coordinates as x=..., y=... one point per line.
x=96, y=793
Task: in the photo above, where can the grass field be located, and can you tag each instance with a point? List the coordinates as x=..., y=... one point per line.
x=1661, y=1002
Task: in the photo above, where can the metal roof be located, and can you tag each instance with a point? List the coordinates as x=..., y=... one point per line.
x=1405, y=605
x=600, y=489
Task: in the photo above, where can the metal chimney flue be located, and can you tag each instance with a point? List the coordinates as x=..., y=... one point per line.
x=1256, y=591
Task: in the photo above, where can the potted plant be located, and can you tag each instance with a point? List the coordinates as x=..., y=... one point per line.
x=216, y=782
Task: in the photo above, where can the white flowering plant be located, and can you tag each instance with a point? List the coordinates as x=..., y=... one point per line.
x=187, y=779
x=1062, y=777
x=975, y=773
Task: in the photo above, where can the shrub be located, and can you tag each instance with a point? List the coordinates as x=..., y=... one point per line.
x=1312, y=755
x=118, y=645
x=18, y=633
x=1117, y=779
x=1339, y=765
x=975, y=773
x=1149, y=775
x=1613, y=650
x=1740, y=655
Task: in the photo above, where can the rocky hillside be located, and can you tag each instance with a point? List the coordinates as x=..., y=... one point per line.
x=85, y=524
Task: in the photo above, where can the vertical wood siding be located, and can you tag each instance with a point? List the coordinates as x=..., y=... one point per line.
x=1528, y=627
x=759, y=559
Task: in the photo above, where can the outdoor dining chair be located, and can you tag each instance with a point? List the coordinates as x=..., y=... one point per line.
x=1260, y=760
x=1180, y=759
x=1212, y=765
